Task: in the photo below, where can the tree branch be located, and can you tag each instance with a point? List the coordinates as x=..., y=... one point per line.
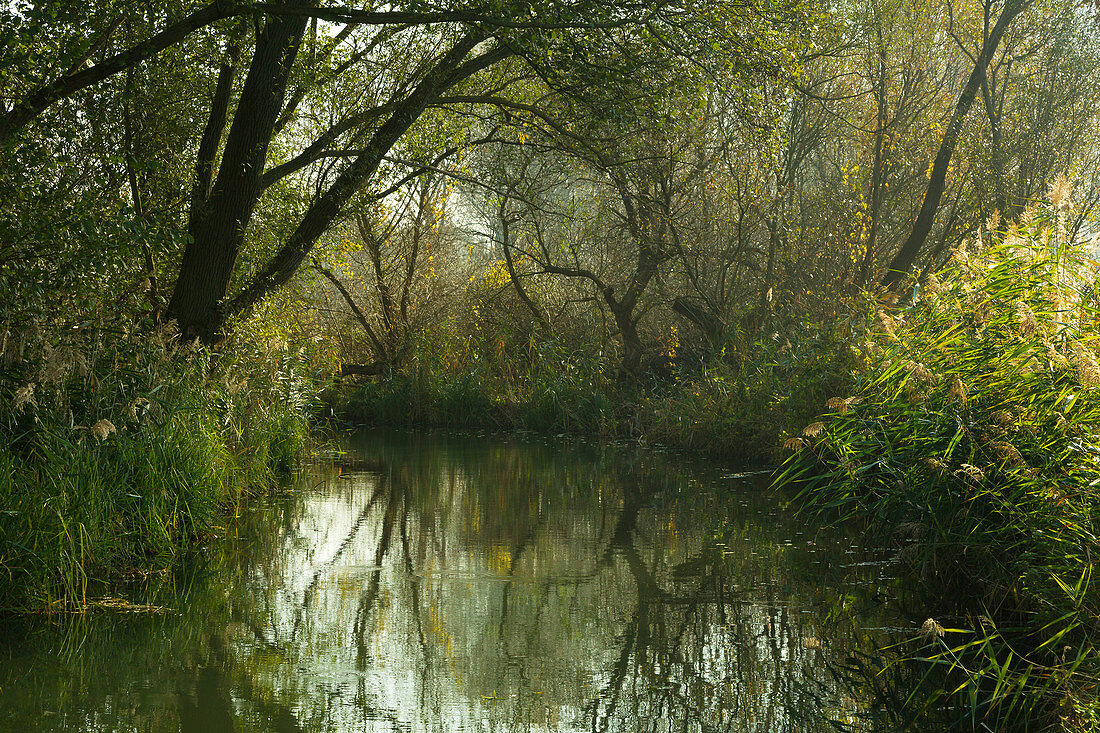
x=479, y=16
x=447, y=72
x=212, y=133
x=907, y=255
x=379, y=350
x=37, y=101
x=316, y=150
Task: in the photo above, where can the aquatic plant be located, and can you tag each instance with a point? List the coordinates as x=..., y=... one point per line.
x=121, y=448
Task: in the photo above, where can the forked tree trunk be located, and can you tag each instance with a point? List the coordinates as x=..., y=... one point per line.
x=449, y=70
x=218, y=226
x=199, y=303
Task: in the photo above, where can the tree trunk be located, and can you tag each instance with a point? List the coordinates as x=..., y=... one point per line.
x=907, y=255
x=702, y=317
x=993, y=113
x=381, y=354
x=631, y=366
x=218, y=229
x=132, y=156
x=448, y=71
x=212, y=138
x=373, y=244
x=866, y=269
x=506, y=245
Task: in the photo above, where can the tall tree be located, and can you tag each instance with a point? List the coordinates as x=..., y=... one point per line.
x=442, y=50
x=903, y=261
x=218, y=220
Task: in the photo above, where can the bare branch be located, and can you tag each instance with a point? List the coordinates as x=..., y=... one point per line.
x=355, y=309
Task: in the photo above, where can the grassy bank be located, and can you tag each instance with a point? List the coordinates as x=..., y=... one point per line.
x=971, y=438
x=121, y=450
x=733, y=406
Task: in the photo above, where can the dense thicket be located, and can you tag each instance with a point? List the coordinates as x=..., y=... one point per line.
x=631, y=168
x=716, y=205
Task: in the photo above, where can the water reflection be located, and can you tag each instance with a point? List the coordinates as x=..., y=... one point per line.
x=444, y=584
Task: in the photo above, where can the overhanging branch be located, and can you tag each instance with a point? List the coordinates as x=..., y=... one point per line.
x=484, y=17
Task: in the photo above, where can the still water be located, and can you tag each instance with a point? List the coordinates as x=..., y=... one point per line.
x=442, y=583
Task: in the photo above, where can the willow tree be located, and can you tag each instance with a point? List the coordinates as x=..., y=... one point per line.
x=996, y=20
x=323, y=96
x=632, y=162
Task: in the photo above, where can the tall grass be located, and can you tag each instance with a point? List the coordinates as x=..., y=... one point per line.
x=120, y=450
x=740, y=403
x=972, y=438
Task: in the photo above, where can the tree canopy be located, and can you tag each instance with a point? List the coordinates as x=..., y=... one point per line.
x=275, y=116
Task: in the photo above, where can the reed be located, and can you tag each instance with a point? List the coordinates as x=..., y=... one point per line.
x=121, y=451
x=970, y=438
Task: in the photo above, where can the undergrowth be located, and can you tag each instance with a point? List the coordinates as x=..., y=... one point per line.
x=972, y=438
x=739, y=405
x=734, y=406
x=120, y=449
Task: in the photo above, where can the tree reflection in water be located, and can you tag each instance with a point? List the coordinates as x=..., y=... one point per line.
x=439, y=584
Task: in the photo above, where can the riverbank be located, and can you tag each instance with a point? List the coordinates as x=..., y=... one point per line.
x=737, y=410
x=970, y=438
x=121, y=452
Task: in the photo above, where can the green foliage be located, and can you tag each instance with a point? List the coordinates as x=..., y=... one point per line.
x=734, y=407
x=739, y=404
x=462, y=384
x=971, y=436
x=122, y=449
x=567, y=391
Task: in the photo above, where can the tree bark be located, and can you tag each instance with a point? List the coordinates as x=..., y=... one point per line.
x=907, y=255
x=218, y=229
x=627, y=322
x=212, y=137
x=702, y=317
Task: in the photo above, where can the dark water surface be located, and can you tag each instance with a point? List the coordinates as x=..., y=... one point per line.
x=441, y=583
